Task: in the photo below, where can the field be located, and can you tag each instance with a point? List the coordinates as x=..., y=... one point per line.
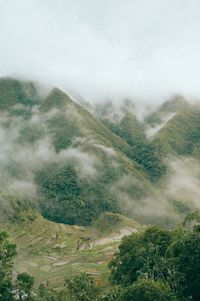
x=50, y=251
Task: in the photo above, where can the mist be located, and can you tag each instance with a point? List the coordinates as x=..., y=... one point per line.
x=20, y=159
x=104, y=49
x=183, y=184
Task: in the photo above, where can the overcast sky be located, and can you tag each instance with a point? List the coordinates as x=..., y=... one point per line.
x=141, y=49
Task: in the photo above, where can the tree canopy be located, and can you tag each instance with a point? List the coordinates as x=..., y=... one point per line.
x=156, y=260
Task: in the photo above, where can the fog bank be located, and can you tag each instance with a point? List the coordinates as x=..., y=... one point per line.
x=109, y=49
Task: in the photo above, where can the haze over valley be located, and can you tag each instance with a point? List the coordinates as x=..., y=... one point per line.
x=99, y=150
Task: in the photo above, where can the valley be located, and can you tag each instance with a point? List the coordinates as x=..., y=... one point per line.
x=75, y=180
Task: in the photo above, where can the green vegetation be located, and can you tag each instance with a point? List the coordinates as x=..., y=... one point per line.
x=122, y=164
x=152, y=265
x=181, y=135
x=57, y=124
x=173, y=105
x=62, y=131
x=30, y=134
x=52, y=251
x=151, y=159
x=60, y=185
x=108, y=222
x=55, y=100
x=165, y=259
x=14, y=92
x=128, y=128
x=148, y=157
x=9, y=290
x=82, y=287
x=7, y=253
x=148, y=290
x=81, y=173
x=71, y=198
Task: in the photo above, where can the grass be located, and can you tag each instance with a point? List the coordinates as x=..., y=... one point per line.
x=181, y=135
x=15, y=92
x=48, y=251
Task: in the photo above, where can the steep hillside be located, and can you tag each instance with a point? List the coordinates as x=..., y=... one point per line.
x=169, y=153
x=14, y=94
x=178, y=140
x=122, y=121
x=74, y=181
x=50, y=251
x=166, y=110
x=181, y=135
x=71, y=166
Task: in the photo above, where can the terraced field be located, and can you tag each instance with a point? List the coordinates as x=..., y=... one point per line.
x=50, y=251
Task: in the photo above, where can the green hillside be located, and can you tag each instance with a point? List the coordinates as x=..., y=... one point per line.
x=122, y=121
x=181, y=135
x=73, y=167
x=77, y=166
x=50, y=251
x=173, y=105
x=74, y=181
x=15, y=93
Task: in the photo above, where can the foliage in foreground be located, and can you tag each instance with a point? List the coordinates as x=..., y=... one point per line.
x=159, y=258
x=153, y=265
x=21, y=289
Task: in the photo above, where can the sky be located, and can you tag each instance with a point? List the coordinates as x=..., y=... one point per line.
x=145, y=50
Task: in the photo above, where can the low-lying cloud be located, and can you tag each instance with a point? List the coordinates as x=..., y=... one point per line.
x=21, y=157
x=142, y=206
x=183, y=185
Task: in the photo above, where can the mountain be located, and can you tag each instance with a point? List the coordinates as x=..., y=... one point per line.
x=166, y=146
x=51, y=251
x=122, y=121
x=73, y=164
x=181, y=134
x=165, y=111
x=173, y=132
x=70, y=165
x=15, y=92
x=75, y=179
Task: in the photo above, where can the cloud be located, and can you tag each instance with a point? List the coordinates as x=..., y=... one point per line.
x=183, y=184
x=145, y=50
x=22, y=158
x=151, y=131
x=22, y=187
x=142, y=206
x=85, y=163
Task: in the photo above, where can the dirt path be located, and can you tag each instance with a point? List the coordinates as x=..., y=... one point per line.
x=115, y=237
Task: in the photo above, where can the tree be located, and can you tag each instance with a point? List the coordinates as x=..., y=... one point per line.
x=184, y=257
x=167, y=257
x=21, y=290
x=82, y=287
x=139, y=255
x=150, y=158
x=147, y=290
x=110, y=294
x=7, y=253
x=24, y=284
